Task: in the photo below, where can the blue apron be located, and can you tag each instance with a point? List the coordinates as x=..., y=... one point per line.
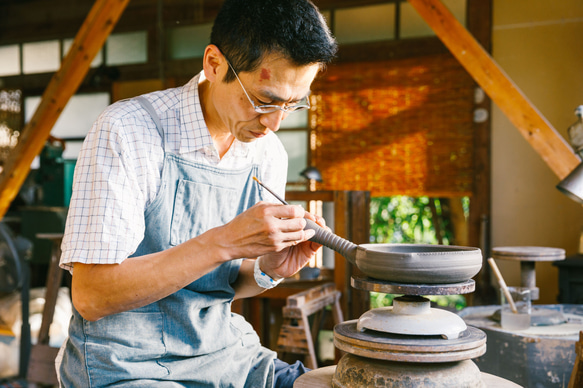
x=190, y=338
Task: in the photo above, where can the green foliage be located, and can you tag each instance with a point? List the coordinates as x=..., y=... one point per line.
x=450, y=302
x=410, y=220
x=402, y=219
x=378, y=299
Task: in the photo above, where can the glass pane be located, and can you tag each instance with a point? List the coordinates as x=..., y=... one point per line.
x=189, y=41
x=41, y=57
x=365, y=24
x=97, y=61
x=296, y=145
x=10, y=63
x=128, y=48
x=413, y=25
x=77, y=117
x=296, y=120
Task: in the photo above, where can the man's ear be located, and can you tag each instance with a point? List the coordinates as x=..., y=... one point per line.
x=211, y=63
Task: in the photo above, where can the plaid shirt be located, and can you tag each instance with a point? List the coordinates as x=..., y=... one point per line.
x=119, y=168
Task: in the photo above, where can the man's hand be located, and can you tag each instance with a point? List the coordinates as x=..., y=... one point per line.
x=289, y=261
x=263, y=229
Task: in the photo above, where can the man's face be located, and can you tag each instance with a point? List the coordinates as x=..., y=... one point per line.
x=275, y=82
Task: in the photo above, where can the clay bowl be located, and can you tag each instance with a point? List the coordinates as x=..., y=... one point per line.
x=406, y=263
x=419, y=263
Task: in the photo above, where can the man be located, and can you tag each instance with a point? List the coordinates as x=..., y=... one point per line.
x=166, y=226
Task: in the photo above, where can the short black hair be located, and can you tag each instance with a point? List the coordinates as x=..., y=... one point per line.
x=247, y=30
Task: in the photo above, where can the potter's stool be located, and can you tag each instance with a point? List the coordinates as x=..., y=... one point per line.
x=528, y=256
x=295, y=335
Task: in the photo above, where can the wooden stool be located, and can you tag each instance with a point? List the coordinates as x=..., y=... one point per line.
x=295, y=335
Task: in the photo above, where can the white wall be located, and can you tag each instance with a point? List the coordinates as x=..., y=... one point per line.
x=539, y=44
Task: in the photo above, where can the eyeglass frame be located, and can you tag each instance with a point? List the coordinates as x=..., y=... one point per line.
x=265, y=109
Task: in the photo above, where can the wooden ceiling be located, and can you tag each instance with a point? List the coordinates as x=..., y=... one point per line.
x=26, y=20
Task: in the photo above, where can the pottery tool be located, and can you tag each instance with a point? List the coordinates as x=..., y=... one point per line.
x=272, y=193
x=322, y=236
x=503, y=285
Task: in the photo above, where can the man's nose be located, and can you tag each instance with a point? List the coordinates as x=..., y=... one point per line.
x=273, y=120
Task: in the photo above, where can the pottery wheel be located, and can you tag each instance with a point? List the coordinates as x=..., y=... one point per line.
x=322, y=378
x=528, y=253
x=528, y=256
x=412, y=315
x=409, y=348
x=369, y=284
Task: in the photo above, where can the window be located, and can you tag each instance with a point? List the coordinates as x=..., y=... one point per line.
x=413, y=26
x=75, y=120
x=293, y=134
x=189, y=41
x=126, y=49
x=41, y=57
x=379, y=22
x=296, y=145
x=365, y=24
x=97, y=61
x=10, y=63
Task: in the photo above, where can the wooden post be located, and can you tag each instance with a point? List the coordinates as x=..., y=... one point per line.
x=526, y=118
x=91, y=36
x=342, y=268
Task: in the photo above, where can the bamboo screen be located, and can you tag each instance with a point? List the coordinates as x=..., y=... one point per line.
x=400, y=127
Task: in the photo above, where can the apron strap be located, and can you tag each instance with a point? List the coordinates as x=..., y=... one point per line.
x=150, y=109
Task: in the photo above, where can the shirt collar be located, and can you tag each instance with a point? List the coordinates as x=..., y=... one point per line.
x=194, y=134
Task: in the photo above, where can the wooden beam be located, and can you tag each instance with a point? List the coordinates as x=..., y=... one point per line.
x=541, y=135
x=89, y=40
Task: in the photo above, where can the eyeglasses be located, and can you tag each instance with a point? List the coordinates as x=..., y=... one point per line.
x=263, y=109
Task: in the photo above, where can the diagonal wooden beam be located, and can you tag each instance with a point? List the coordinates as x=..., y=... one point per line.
x=91, y=36
x=541, y=135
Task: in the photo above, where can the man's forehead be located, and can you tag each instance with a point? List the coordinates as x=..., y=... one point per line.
x=265, y=74
x=283, y=81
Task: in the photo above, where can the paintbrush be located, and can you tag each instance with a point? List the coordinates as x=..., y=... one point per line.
x=272, y=193
x=323, y=236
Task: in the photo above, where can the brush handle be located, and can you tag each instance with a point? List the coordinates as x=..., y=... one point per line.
x=332, y=241
x=503, y=285
x=323, y=236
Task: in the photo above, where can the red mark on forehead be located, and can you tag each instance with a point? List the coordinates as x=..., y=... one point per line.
x=265, y=74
